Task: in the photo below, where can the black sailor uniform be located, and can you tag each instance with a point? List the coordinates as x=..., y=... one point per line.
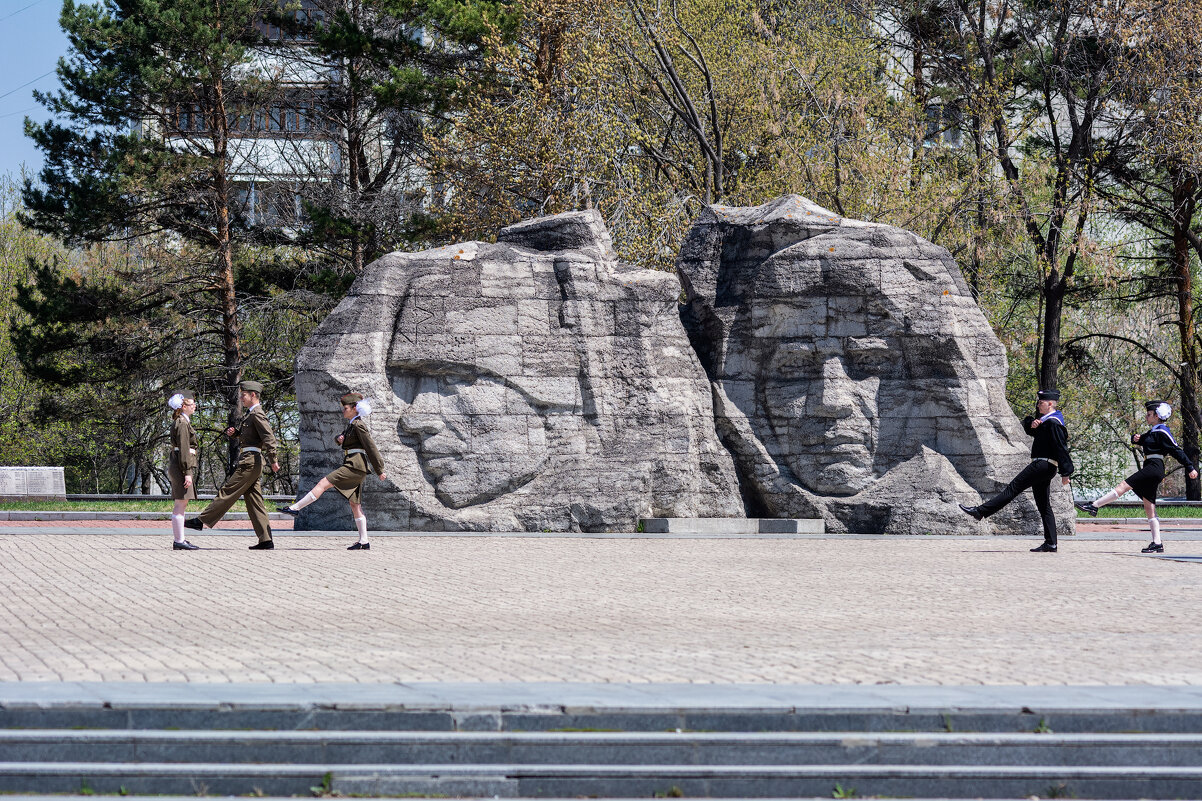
x=1049, y=455
x=1156, y=444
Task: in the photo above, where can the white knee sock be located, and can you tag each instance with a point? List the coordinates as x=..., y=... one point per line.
x=1107, y=498
x=305, y=501
x=361, y=524
x=1154, y=524
x=177, y=527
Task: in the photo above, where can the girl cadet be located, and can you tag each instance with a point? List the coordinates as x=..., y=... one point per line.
x=183, y=464
x=1155, y=443
x=358, y=449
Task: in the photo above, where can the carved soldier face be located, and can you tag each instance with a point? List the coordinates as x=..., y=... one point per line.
x=820, y=390
x=475, y=438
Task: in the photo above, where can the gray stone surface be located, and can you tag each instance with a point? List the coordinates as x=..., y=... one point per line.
x=854, y=376
x=722, y=526
x=534, y=384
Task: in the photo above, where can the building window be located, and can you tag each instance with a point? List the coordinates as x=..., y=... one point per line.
x=306, y=16
x=942, y=126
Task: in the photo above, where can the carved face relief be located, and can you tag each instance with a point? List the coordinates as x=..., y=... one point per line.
x=475, y=437
x=820, y=396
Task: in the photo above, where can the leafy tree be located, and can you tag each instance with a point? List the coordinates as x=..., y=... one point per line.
x=386, y=71
x=1154, y=182
x=141, y=150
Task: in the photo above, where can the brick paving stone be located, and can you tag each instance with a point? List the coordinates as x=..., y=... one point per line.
x=125, y=607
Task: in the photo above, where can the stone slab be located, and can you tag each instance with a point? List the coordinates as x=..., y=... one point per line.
x=717, y=526
x=37, y=483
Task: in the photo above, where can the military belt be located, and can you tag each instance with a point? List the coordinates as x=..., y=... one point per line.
x=356, y=450
x=1052, y=462
x=1159, y=456
x=252, y=450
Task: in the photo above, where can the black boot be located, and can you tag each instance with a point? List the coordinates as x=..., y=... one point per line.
x=265, y=545
x=194, y=522
x=974, y=511
x=1087, y=507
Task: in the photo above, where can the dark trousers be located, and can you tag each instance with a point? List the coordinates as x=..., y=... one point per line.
x=1038, y=476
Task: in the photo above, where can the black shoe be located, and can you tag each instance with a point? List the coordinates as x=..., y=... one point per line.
x=184, y=546
x=1087, y=507
x=265, y=545
x=1153, y=547
x=287, y=509
x=974, y=511
x=194, y=522
x=1047, y=547
x=360, y=546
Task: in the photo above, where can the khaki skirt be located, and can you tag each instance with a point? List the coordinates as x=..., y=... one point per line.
x=178, y=491
x=348, y=480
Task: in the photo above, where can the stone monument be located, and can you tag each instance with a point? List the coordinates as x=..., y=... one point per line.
x=854, y=376
x=535, y=384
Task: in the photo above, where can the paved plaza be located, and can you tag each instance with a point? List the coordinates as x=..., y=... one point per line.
x=121, y=606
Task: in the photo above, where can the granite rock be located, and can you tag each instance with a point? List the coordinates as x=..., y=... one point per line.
x=854, y=376
x=534, y=384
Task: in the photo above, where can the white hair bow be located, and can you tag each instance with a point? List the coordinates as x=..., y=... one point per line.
x=175, y=401
x=363, y=407
x=1163, y=411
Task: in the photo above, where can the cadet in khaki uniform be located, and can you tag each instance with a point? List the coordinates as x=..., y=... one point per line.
x=358, y=448
x=258, y=448
x=182, y=464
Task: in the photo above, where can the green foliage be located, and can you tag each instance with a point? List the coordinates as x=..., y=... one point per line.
x=109, y=171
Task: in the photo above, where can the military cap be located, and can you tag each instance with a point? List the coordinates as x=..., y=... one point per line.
x=350, y=398
x=176, y=398
x=251, y=386
x=1162, y=409
x=1049, y=394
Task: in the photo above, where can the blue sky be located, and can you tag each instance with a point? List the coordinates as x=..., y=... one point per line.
x=30, y=46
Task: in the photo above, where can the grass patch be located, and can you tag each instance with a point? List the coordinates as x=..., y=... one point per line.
x=1166, y=511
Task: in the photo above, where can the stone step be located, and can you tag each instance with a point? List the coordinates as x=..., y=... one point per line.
x=521, y=718
x=607, y=781
x=599, y=748
x=730, y=526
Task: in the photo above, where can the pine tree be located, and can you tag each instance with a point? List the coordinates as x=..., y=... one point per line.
x=395, y=68
x=140, y=150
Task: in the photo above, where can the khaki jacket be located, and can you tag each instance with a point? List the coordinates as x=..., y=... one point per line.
x=356, y=437
x=255, y=432
x=183, y=444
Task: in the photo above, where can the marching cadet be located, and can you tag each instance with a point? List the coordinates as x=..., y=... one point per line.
x=358, y=448
x=258, y=448
x=1144, y=482
x=1049, y=454
x=182, y=464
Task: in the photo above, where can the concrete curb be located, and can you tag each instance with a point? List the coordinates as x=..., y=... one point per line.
x=68, y=516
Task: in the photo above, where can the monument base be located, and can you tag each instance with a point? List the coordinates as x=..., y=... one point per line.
x=734, y=526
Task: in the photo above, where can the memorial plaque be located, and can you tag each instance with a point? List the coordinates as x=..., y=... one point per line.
x=32, y=483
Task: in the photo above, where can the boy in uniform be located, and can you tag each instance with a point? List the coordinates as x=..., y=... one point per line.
x=1049, y=454
x=258, y=448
